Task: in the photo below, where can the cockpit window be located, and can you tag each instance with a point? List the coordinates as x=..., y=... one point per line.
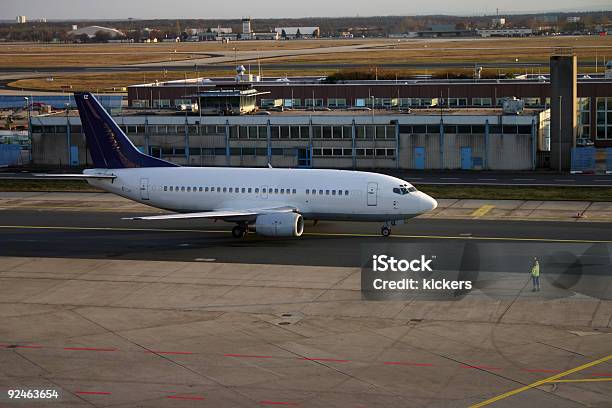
x=404, y=189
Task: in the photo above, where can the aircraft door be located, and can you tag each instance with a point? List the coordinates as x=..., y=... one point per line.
x=372, y=194
x=144, y=188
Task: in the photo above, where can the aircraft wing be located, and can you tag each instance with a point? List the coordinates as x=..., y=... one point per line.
x=220, y=214
x=75, y=176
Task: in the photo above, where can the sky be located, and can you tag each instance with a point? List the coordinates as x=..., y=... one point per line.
x=151, y=9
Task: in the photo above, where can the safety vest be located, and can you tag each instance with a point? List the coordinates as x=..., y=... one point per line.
x=535, y=271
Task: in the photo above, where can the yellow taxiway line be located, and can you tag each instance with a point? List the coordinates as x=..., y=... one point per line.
x=551, y=379
x=320, y=234
x=485, y=209
x=579, y=380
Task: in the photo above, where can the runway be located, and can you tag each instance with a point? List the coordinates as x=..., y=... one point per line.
x=104, y=235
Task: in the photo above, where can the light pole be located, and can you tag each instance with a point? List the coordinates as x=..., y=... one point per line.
x=68, y=135
x=372, y=101
x=27, y=101
x=560, y=127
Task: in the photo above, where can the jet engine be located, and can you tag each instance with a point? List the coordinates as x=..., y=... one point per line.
x=287, y=224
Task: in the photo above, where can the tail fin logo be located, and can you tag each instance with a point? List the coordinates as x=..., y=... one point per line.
x=108, y=145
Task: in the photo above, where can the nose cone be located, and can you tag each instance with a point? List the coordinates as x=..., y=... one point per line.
x=428, y=203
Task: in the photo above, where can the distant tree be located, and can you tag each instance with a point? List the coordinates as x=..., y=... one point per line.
x=178, y=28
x=83, y=38
x=102, y=36
x=61, y=36
x=298, y=34
x=284, y=34
x=134, y=35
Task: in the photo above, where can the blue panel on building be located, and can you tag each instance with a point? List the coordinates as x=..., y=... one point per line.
x=583, y=159
x=419, y=158
x=74, y=155
x=9, y=154
x=466, y=158
x=609, y=159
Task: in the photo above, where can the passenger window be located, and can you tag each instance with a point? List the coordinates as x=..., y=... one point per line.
x=237, y=190
x=249, y=191
x=225, y=189
x=346, y=192
x=294, y=191
x=326, y=192
x=307, y=191
x=282, y=191
x=176, y=188
x=243, y=190
x=314, y=192
x=339, y=192
x=276, y=191
x=188, y=189
x=320, y=192
x=165, y=188
x=206, y=189
x=230, y=189
x=256, y=190
x=171, y=188
x=333, y=192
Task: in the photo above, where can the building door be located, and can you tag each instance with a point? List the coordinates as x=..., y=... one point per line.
x=144, y=188
x=466, y=158
x=304, y=157
x=372, y=194
x=419, y=158
x=74, y=155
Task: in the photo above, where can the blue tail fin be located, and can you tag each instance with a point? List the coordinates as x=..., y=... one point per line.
x=108, y=145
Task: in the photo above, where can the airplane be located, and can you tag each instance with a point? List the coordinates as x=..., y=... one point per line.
x=269, y=201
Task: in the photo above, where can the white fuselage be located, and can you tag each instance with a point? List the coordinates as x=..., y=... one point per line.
x=314, y=193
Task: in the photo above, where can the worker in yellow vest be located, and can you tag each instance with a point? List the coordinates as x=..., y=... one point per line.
x=535, y=275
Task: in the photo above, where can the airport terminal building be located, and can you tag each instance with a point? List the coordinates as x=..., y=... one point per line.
x=593, y=92
x=348, y=139
x=512, y=124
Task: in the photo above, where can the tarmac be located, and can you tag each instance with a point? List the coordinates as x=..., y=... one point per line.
x=165, y=334
x=112, y=313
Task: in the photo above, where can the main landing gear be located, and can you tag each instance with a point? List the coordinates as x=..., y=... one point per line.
x=240, y=231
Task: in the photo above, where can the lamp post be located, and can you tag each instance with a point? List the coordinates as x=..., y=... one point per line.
x=68, y=135
x=27, y=101
x=372, y=100
x=560, y=127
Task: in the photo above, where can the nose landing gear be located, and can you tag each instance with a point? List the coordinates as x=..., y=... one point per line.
x=385, y=230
